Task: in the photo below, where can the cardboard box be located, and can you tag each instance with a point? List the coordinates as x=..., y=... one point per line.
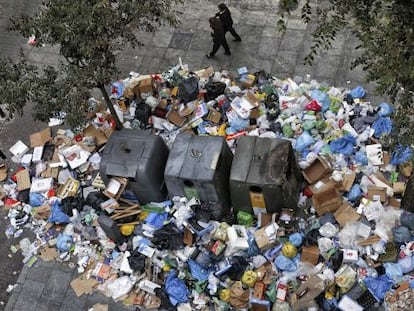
x=69, y=188
x=19, y=149
x=327, y=200
x=259, y=290
x=347, y=182
x=40, y=138
x=394, y=202
x=238, y=237
x=214, y=116
x=310, y=254
x=266, y=237
x=116, y=187
x=399, y=187
x=318, y=169
x=144, y=88
x=75, y=156
x=345, y=214
x=377, y=194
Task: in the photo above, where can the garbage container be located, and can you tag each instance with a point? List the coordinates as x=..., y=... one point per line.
x=139, y=156
x=199, y=166
x=264, y=175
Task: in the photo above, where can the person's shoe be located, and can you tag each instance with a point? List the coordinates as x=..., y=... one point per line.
x=227, y=53
x=237, y=40
x=209, y=56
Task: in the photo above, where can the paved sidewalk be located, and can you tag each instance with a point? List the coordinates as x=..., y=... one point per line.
x=45, y=286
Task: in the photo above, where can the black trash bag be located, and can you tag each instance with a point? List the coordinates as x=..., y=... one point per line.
x=311, y=238
x=165, y=300
x=95, y=199
x=168, y=237
x=24, y=196
x=137, y=261
x=188, y=88
x=336, y=260
x=70, y=203
x=276, y=127
x=238, y=266
x=208, y=210
x=142, y=113
x=214, y=89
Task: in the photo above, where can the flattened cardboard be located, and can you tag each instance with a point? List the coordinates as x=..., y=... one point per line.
x=327, y=200
x=174, y=117
x=48, y=253
x=399, y=187
x=23, y=180
x=310, y=254
x=40, y=138
x=82, y=285
x=394, y=202
x=94, y=132
x=346, y=214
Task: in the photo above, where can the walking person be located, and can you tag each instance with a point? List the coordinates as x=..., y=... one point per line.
x=219, y=38
x=227, y=21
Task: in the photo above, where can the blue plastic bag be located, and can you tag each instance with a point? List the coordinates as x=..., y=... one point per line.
x=57, y=215
x=344, y=144
x=156, y=219
x=285, y=264
x=64, y=242
x=385, y=110
x=379, y=286
x=304, y=141
x=36, y=199
x=401, y=154
x=354, y=193
x=117, y=89
x=296, y=239
x=198, y=272
x=361, y=158
x=358, y=92
x=322, y=98
x=253, y=249
x=176, y=289
x=393, y=270
x=401, y=234
x=238, y=124
x=382, y=126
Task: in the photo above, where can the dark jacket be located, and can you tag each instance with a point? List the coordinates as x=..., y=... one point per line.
x=225, y=18
x=218, y=33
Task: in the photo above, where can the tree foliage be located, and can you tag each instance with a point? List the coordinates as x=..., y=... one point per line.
x=385, y=29
x=89, y=34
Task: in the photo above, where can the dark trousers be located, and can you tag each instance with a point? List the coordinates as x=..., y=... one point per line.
x=233, y=32
x=217, y=44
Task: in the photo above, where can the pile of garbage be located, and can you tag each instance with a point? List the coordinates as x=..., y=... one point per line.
x=344, y=242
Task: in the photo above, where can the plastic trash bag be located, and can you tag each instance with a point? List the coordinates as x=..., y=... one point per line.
x=176, y=289
x=406, y=264
x=287, y=131
x=285, y=264
x=137, y=261
x=361, y=158
x=296, y=239
x=358, y=92
x=36, y=199
x=379, y=286
x=328, y=230
x=382, y=126
x=198, y=272
x=322, y=99
x=238, y=124
x=304, y=141
x=64, y=242
x=313, y=105
x=401, y=234
x=385, y=110
x=393, y=270
x=354, y=193
x=407, y=220
x=401, y=155
x=344, y=145
x=119, y=287
x=117, y=89
x=168, y=237
x=57, y=215
x=156, y=219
